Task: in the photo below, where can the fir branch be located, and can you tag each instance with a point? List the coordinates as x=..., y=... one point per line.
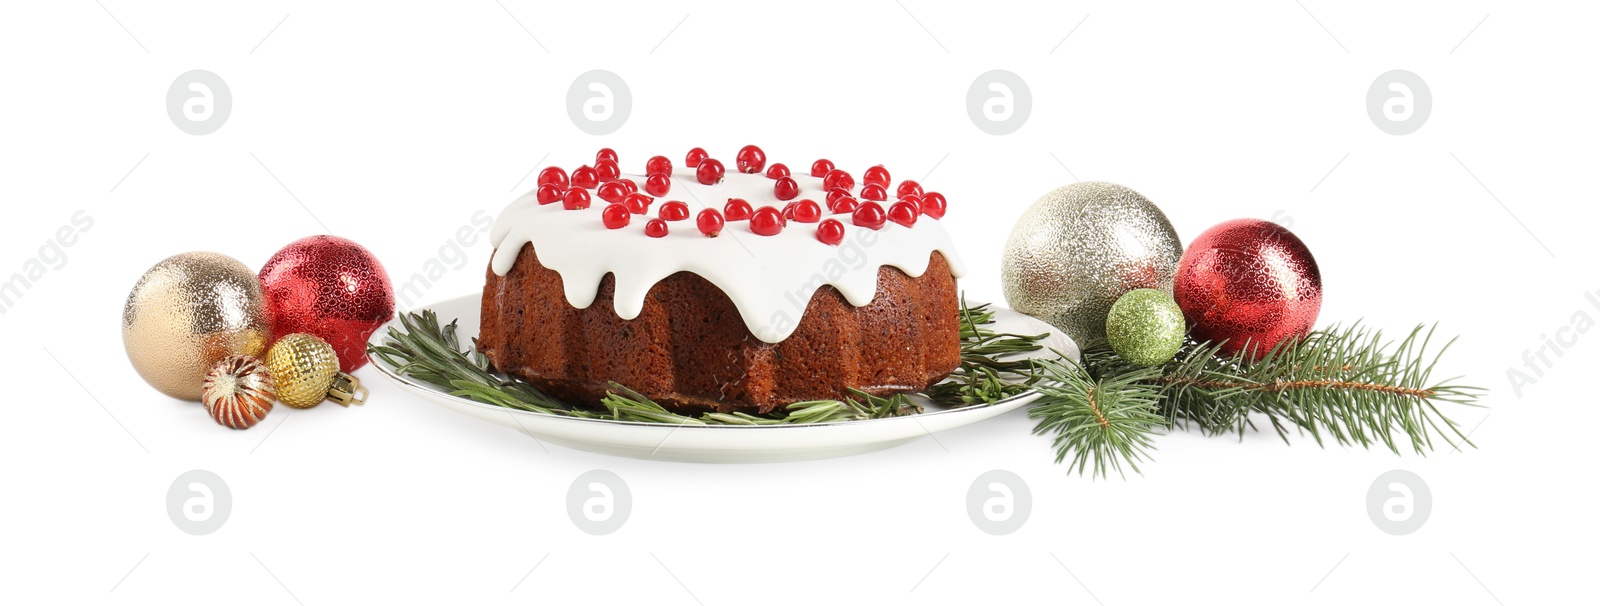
x=1103, y=422
x=1345, y=385
x=1353, y=386
x=1196, y=386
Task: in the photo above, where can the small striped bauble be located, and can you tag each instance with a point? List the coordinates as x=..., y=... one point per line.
x=238, y=392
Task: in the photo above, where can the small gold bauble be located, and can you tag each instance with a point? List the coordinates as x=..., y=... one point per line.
x=304, y=368
x=186, y=314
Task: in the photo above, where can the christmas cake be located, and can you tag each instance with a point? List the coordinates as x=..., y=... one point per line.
x=709, y=287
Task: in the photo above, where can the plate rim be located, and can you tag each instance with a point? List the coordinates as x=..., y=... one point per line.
x=382, y=333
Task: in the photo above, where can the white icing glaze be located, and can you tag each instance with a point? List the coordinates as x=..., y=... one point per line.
x=770, y=279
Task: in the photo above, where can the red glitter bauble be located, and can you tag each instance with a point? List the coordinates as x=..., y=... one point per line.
x=329, y=287
x=1248, y=281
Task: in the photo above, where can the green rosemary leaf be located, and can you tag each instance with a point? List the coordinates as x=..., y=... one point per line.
x=425, y=350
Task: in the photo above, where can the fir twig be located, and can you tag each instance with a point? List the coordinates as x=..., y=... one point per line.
x=1103, y=422
x=1347, y=385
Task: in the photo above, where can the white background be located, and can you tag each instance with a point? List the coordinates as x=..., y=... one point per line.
x=393, y=124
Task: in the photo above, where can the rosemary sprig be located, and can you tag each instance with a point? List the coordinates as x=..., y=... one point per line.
x=430, y=353
x=992, y=364
x=629, y=405
x=422, y=349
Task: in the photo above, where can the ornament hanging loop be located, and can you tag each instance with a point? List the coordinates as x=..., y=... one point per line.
x=347, y=390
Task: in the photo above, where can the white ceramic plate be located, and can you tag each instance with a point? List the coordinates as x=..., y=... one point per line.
x=720, y=443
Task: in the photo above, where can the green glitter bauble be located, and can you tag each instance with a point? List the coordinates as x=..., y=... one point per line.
x=1145, y=327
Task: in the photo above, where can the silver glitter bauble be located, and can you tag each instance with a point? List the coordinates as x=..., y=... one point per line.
x=1079, y=248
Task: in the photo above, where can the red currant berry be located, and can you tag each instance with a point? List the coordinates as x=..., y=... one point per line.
x=908, y=187
x=904, y=213
x=844, y=205
x=555, y=175
x=612, y=191
x=638, y=203
x=785, y=188
x=873, y=191
x=605, y=154
x=548, y=193
x=615, y=216
x=915, y=201
x=835, y=194
x=607, y=170
x=585, y=177
x=674, y=211
x=710, y=222
x=821, y=167
x=777, y=170
x=655, y=228
x=576, y=198
x=869, y=215
x=633, y=188
x=695, y=157
x=806, y=211
x=830, y=232
x=877, y=174
x=838, y=178
x=750, y=159
x=709, y=172
x=933, y=204
x=737, y=209
x=766, y=221
x=658, y=164
x=657, y=184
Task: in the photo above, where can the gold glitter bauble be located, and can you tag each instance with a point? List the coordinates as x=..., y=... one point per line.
x=186, y=314
x=304, y=368
x=238, y=392
x=1079, y=248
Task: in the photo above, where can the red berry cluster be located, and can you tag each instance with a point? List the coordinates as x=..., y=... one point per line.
x=865, y=206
